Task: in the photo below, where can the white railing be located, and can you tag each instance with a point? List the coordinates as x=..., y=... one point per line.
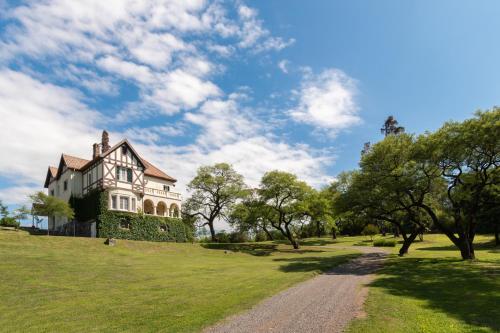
x=161, y=193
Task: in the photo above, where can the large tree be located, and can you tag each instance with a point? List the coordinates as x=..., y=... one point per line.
x=285, y=202
x=466, y=155
x=214, y=190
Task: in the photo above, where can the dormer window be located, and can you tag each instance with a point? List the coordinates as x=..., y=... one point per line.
x=166, y=188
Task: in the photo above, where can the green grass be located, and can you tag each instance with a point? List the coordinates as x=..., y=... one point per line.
x=433, y=290
x=62, y=284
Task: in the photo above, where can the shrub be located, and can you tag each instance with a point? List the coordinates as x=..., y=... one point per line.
x=9, y=222
x=222, y=237
x=260, y=236
x=384, y=243
x=370, y=230
x=238, y=237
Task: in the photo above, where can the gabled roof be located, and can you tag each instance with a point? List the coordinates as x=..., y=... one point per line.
x=80, y=164
x=51, y=173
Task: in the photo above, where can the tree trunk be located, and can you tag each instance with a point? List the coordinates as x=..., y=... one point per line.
x=318, y=228
x=407, y=242
x=293, y=241
x=334, y=233
x=212, y=230
x=269, y=235
x=497, y=237
x=396, y=232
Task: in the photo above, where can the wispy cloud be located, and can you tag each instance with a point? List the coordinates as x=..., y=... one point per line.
x=283, y=65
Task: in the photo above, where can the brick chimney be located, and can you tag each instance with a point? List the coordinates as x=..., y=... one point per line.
x=95, y=150
x=105, y=142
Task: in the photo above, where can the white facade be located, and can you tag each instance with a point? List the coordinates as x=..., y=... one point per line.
x=134, y=185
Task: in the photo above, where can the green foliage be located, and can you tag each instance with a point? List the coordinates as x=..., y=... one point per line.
x=132, y=226
x=46, y=205
x=384, y=243
x=370, y=230
x=3, y=210
x=9, y=221
x=89, y=206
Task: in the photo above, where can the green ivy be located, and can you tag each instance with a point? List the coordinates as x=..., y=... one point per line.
x=112, y=224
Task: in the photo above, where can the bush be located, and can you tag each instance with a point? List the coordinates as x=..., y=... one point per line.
x=9, y=222
x=370, y=230
x=222, y=237
x=384, y=243
x=238, y=237
x=260, y=236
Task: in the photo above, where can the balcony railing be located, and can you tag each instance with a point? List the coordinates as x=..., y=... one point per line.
x=161, y=193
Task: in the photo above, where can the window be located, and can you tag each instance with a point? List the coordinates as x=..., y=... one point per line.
x=52, y=192
x=89, y=178
x=124, y=150
x=65, y=185
x=124, y=203
x=133, y=204
x=166, y=188
x=113, y=202
x=124, y=174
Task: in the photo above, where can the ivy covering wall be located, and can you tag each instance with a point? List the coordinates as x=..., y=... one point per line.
x=124, y=225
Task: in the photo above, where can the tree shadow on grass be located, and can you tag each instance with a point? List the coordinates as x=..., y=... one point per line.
x=477, y=246
x=466, y=291
x=255, y=249
x=308, y=264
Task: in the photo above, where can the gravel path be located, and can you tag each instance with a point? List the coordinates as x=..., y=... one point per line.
x=325, y=303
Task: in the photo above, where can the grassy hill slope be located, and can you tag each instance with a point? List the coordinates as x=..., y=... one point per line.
x=81, y=285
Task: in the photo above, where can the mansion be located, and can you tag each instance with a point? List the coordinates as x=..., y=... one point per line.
x=132, y=183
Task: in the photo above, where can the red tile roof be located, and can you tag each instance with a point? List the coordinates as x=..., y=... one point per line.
x=153, y=171
x=73, y=162
x=53, y=171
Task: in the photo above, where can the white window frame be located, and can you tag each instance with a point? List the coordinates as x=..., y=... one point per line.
x=122, y=206
x=114, y=201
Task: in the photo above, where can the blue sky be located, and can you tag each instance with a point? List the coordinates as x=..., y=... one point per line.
x=290, y=85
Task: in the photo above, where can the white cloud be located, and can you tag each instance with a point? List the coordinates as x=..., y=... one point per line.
x=327, y=101
x=150, y=43
x=34, y=131
x=283, y=65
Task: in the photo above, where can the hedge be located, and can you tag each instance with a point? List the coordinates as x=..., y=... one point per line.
x=384, y=243
x=124, y=225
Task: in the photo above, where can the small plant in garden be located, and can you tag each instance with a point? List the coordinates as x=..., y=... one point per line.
x=370, y=230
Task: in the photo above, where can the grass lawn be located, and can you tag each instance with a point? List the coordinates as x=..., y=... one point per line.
x=433, y=290
x=62, y=284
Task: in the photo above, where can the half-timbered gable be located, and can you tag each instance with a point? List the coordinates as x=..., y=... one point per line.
x=123, y=168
